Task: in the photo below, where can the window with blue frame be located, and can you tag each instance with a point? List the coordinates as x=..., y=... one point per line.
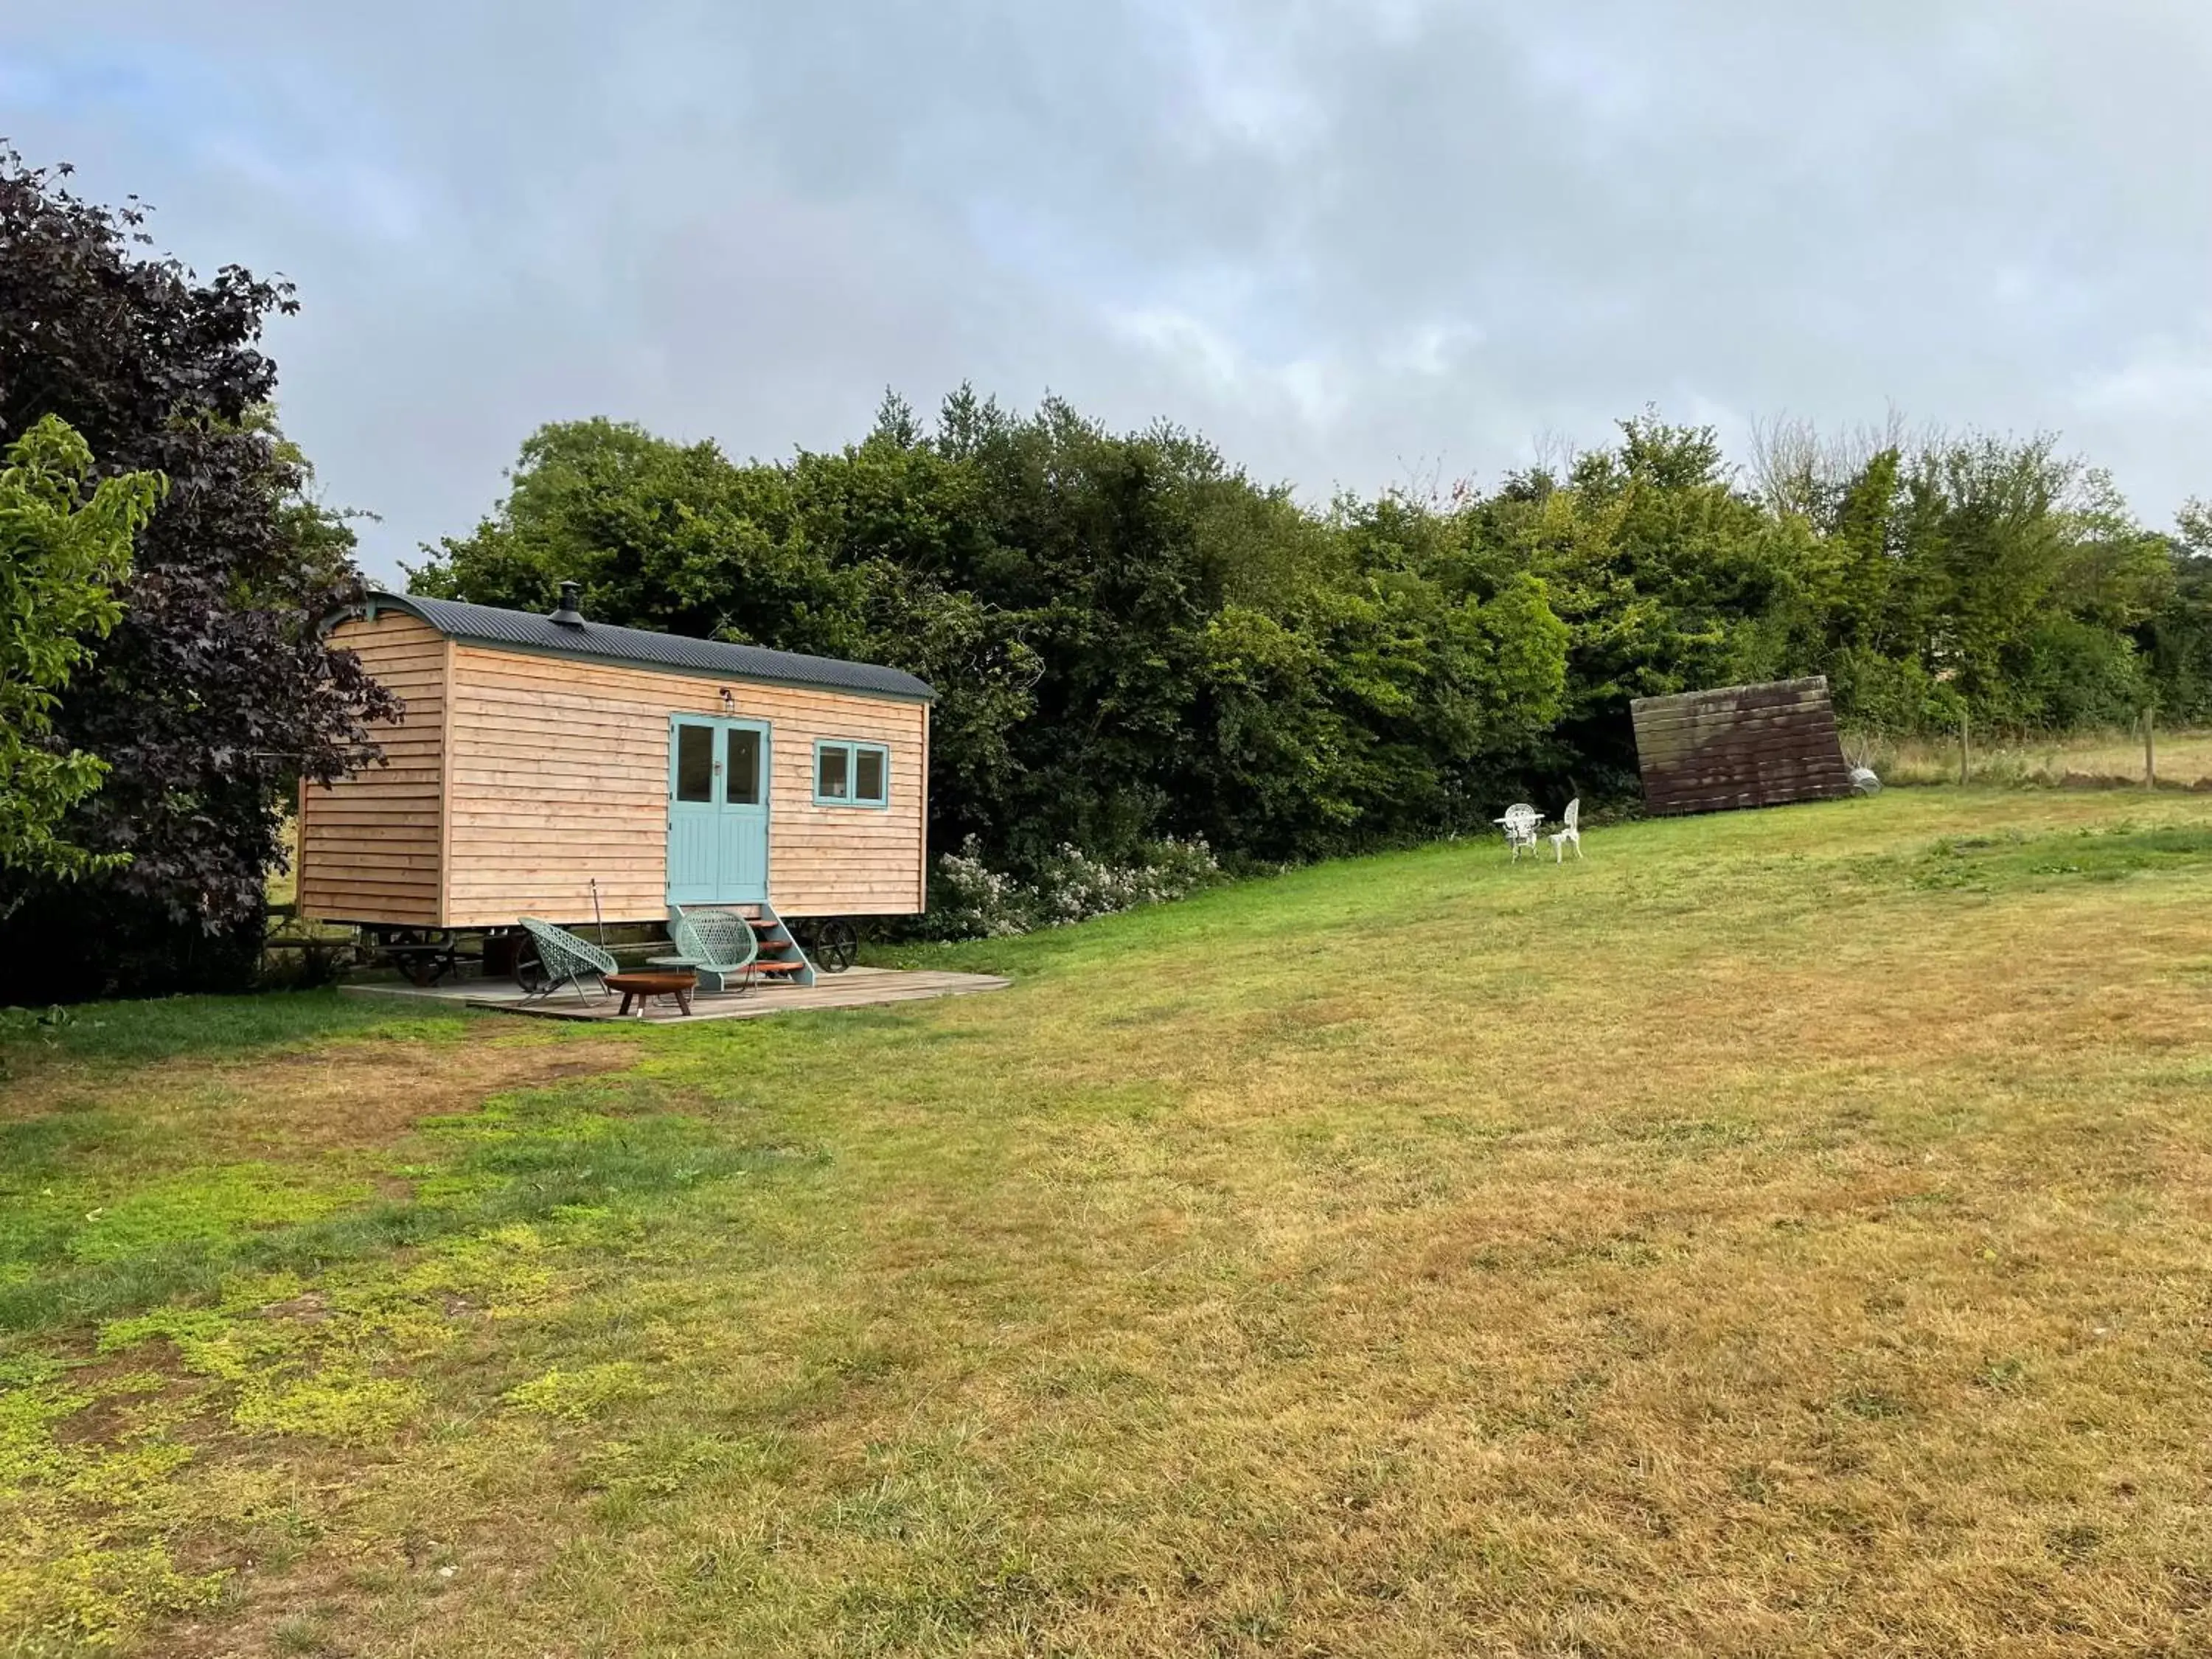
x=852, y=774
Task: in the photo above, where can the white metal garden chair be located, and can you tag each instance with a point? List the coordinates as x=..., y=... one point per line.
x=1520, y=824
x=1570, y=830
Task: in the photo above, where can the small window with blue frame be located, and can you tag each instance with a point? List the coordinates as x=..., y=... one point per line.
x=852, y=774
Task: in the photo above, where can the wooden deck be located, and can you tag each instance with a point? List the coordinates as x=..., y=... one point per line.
x=856, y=988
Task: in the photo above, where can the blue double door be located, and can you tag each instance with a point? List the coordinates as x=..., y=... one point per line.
x=717, y=810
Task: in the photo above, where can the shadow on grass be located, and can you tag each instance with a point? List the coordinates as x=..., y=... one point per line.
x=138, y=1033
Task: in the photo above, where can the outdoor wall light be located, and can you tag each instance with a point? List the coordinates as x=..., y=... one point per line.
x=729, y=703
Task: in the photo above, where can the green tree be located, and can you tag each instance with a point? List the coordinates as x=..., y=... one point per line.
x=2177, y=638
x=63, y=553
x=1129, y=637
x=1133, y=638
x=215, y=693
x=661, y=535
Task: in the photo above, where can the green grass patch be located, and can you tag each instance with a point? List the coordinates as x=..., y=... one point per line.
x=1989, y=863
x=514, y=1163
x=138, y=1033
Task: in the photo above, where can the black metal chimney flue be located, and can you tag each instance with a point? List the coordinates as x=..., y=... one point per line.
x=569, y=615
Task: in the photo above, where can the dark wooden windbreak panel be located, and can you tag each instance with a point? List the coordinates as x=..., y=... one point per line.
x=1742, y=745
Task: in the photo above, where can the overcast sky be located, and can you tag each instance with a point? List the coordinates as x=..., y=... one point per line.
x=1353, y=243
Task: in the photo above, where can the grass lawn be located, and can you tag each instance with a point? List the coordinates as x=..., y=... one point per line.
x=1782, y=1233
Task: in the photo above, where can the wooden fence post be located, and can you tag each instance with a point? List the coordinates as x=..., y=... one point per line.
x=2150, y=754
x=1963, y=752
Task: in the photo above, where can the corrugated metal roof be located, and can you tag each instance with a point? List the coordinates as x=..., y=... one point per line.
x=523, y=631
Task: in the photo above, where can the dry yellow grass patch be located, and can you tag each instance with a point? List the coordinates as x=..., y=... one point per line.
x=359, y=1093
x=2181, y=758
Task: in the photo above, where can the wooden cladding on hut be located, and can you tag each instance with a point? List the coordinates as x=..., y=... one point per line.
x=554, y=766
x=1742, y=745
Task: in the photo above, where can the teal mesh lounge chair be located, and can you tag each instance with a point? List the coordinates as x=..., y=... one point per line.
x=718, y=946
x=565, y=959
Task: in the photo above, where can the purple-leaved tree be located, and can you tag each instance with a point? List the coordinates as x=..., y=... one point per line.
x=214, y=694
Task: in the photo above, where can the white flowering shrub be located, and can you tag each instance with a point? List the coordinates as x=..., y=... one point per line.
x=969, y=900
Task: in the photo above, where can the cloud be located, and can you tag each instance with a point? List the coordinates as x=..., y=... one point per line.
x=2165, y=378
x=1345, y=240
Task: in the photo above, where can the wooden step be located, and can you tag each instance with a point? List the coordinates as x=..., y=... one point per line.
x=760, y=967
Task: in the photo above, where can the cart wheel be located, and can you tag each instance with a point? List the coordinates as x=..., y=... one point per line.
x=835, y=944
x=406, y=947
x=529, y=972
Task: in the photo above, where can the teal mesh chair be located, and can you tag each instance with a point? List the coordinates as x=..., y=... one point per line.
x=718, y=946
x=563, y=959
